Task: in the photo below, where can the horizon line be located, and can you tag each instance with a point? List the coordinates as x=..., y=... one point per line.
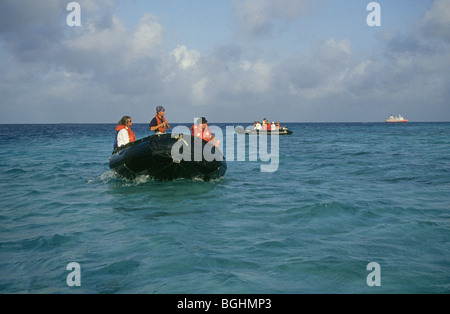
x=304, y=122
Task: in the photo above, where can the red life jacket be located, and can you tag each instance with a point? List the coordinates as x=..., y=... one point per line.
x=131, y=135
x=163, y=128
x=203, y=134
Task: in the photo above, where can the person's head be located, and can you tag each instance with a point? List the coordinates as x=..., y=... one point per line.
x=160, y=111
x=202, y=121
x=126, y=120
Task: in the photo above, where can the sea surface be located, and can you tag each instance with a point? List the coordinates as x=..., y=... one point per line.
x=344, y=195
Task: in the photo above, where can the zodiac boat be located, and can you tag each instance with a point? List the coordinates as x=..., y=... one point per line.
x=282, y=131
x=168, y=157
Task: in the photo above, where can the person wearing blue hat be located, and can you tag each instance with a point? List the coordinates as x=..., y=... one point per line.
x=159, y=124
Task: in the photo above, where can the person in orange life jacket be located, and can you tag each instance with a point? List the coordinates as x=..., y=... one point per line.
x=201, y=129
x=124, y=133
x=159, y=124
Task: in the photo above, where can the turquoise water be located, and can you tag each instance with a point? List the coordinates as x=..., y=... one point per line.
x=344, y=195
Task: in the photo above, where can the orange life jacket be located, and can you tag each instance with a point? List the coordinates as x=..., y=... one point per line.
x=131, y=134
x=163, y=128
x=203, y=134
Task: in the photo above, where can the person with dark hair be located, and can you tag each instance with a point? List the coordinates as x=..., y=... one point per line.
x=124, y=133
x=159, y=124
x=201, y=130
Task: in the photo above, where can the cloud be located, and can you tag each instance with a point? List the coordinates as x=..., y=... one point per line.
x=102, y=50
x=147, y=39
x=186, y=58
x=323, y=72
x=33, y=23
x=199, y=92
x=254, y=17
x=436, y=21
x=105, y=69
x=257, y=18
x=51, y=67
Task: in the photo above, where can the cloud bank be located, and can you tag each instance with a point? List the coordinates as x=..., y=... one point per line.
x=52, y=73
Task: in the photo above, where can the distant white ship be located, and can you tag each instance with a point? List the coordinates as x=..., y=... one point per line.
x=396, y=119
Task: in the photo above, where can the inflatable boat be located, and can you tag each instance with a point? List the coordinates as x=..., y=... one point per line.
x=283, y=131
x=168, y=157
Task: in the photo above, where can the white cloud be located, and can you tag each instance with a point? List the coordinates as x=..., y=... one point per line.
x=256, y=78
x=186, y=58
x=94, y=40
x=147, y=39
x=246, y=65
x=116, y=44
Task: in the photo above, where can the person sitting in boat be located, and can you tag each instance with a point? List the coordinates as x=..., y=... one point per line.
x=201, y=130
x=273, y=127
x=124, y=133
x=264, y=125
x=159, y=124
x=257, y=125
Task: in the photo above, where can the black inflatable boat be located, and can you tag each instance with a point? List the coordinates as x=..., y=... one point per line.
x=169, y=157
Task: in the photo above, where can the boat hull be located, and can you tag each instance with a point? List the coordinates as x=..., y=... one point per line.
x=399, y=121
x=261, y=132
x=153, y=156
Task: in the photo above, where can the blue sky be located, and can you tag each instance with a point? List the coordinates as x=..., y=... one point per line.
x=232, y=61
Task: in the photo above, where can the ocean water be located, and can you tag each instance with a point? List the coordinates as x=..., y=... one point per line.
x=344, y=195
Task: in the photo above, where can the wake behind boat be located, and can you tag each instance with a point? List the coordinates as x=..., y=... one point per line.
x=159, y=156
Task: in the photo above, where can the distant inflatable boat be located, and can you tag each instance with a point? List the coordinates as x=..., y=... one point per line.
x=396, y=119
x=153, y=156
x=283, y=131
